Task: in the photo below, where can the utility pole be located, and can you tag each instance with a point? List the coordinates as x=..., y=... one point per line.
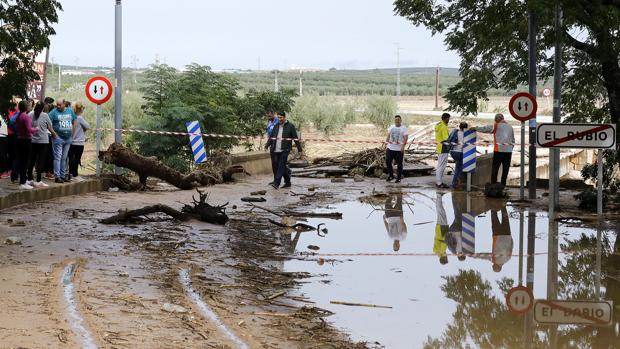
x=118, y=71
x=77, y=62
x=554, y=158
x=259, y=63
x=301, y=86
x=437, y=88
x=276, y=87
x=59, y=76
x=134, y=63
x=398, y=48
x=44, y=77
x=532, y=33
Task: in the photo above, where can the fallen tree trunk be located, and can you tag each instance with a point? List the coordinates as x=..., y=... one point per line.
x=200, y=210
x=126, y=215
x=146, y=167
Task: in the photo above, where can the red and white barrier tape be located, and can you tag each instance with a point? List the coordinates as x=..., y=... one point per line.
x=316, y=140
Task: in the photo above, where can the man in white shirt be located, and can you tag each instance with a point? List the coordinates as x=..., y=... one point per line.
x=503, y=143
x=396, y=141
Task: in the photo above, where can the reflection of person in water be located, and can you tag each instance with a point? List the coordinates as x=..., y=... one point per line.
x=454, y=238
x=502, y=240
x=394, y=220
x=441, y=230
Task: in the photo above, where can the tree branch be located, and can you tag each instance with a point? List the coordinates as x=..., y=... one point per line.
x=579, y=45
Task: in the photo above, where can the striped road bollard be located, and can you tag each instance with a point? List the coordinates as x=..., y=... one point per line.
x=195, y=141
x=469, y=155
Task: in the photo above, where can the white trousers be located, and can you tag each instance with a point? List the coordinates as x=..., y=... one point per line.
x=442, y=161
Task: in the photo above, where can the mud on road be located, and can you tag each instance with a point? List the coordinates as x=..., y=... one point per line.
x=73, y=282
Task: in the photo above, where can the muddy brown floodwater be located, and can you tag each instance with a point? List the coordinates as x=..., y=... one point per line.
x=405, y=267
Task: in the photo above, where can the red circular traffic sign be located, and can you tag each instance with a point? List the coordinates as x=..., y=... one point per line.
x=523, y=106
x=98, y=89
x=520, y=300
x=546, y=92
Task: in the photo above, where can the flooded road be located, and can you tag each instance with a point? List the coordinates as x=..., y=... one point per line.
x=445, y=278
x=417, y=269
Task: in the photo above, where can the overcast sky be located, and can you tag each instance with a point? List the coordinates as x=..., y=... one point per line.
x=353, y=34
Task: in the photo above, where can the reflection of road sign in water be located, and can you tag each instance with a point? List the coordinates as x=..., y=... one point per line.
x=598, y=136
x=523, y=106
x=469, y=233
x=520, y=300
x=469, y=151
x=195, y=141
x=546, y=92
x=98, y=89
x=573, y=312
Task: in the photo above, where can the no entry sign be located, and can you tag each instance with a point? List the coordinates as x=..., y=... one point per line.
x=546, y=92
x=523, y=106
x=598, y=136
x=98, y=89
x=573, y=312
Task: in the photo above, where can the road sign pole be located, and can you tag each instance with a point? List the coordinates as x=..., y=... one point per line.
x=98, y=144
x=521, y=247
x=468, y=181
x=522, y=190
x=554, y=158
x=599, y=184
x=532, y=34
x=599, y=212
x=118, y=73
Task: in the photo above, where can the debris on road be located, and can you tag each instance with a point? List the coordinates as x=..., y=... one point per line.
x=13, y=240
x=173, y=308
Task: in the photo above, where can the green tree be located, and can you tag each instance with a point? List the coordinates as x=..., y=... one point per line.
x=380, y=111
x=171, y=99
x=25, y=28
x=490, y=37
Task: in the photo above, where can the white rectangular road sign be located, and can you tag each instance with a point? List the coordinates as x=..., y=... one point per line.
x=573, y=312
x=598, y=136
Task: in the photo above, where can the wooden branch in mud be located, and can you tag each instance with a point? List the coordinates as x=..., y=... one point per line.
x=360, y=305
x=330, y=215
x=267, y=210
x=146, y=167
x=298, y=226
x=200, y=210
x=125, y=215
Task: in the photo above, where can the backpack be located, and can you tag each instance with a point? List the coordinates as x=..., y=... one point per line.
x=453, y=138
x=12, y=125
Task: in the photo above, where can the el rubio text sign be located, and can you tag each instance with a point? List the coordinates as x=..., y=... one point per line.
x=598, y=136
x=573, y=312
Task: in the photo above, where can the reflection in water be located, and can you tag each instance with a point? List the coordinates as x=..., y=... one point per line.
x=441, y=230
x=459, y=304
x=571, y=278
x=394, y=220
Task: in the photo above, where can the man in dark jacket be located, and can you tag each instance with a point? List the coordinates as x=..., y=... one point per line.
x=280, y=144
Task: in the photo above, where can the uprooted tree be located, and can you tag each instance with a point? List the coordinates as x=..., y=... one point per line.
x=200, y=209
x=146, y=167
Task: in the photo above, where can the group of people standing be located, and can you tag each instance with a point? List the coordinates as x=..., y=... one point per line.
x=450, y=143
x=47, y=137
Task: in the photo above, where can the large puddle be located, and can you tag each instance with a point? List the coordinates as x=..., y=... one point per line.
x=444, y=264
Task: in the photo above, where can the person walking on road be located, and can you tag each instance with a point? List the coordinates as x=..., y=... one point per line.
x=281, y=143
x=24, y=131
x=396, y=141
x=441, y=137
x=64, y=123
x=40, y=144
x=503, y=144
x=456, y=151
x=272, y=121
x=79, y=138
